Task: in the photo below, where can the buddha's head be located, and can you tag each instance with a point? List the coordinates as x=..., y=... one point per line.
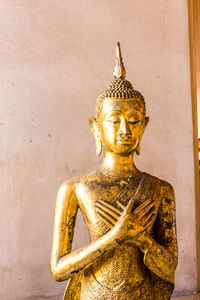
x=120, y=115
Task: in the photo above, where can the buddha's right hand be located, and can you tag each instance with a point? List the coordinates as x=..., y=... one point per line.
x=127, y=226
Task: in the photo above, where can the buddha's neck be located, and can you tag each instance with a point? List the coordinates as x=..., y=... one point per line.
x=119, y=165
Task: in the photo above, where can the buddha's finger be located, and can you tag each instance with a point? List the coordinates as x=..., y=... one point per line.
x=122, y=206
x=146, y=225
x=108, y=205
x=106, y=215
x=145, y=210
x=140, y=208
x=148, y=216
x=149, y=212
x=129, y=207
x=148, y=221
x=108, y=210
x=106, y=221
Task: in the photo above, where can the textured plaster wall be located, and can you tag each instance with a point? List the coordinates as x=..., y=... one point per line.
x=55, y=57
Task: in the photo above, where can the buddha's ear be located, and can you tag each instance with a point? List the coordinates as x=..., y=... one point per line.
x=146, y=121
x=94, y=126
x=95, y=129
x=138, y=148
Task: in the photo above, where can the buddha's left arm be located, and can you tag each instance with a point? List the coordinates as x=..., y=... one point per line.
x=162, y=255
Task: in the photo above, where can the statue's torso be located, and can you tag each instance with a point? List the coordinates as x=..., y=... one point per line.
x=119, y=273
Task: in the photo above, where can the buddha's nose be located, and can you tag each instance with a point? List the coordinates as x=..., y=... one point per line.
x=124, y=127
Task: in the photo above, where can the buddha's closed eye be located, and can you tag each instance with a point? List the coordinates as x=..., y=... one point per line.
x=114, y=119
x=134, y=122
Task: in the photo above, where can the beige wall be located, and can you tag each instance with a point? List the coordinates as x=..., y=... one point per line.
x=55, y=57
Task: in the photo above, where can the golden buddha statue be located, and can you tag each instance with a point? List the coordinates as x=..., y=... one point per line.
x=130, y=214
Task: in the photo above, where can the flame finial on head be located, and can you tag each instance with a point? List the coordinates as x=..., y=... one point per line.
x=119, y=69
x=119, y=87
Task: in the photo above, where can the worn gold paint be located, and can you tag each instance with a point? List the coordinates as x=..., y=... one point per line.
x=130, y=215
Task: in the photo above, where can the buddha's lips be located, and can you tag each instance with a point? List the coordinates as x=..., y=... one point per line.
x=126, y=139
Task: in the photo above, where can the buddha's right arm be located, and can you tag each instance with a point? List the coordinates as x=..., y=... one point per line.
x=63, y=263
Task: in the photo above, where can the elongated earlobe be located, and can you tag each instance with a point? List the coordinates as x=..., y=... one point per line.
x=138, y=148
x=95, y=130
x=98, y=146
x=139, y=141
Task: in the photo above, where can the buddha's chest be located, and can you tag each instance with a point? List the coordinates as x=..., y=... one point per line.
x=88, y=195
x=116, y=194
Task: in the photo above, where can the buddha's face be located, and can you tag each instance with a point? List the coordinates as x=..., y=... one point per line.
x=122, y=123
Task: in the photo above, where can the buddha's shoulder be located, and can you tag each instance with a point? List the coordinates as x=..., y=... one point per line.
x=163, y=185
x=75, y=181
